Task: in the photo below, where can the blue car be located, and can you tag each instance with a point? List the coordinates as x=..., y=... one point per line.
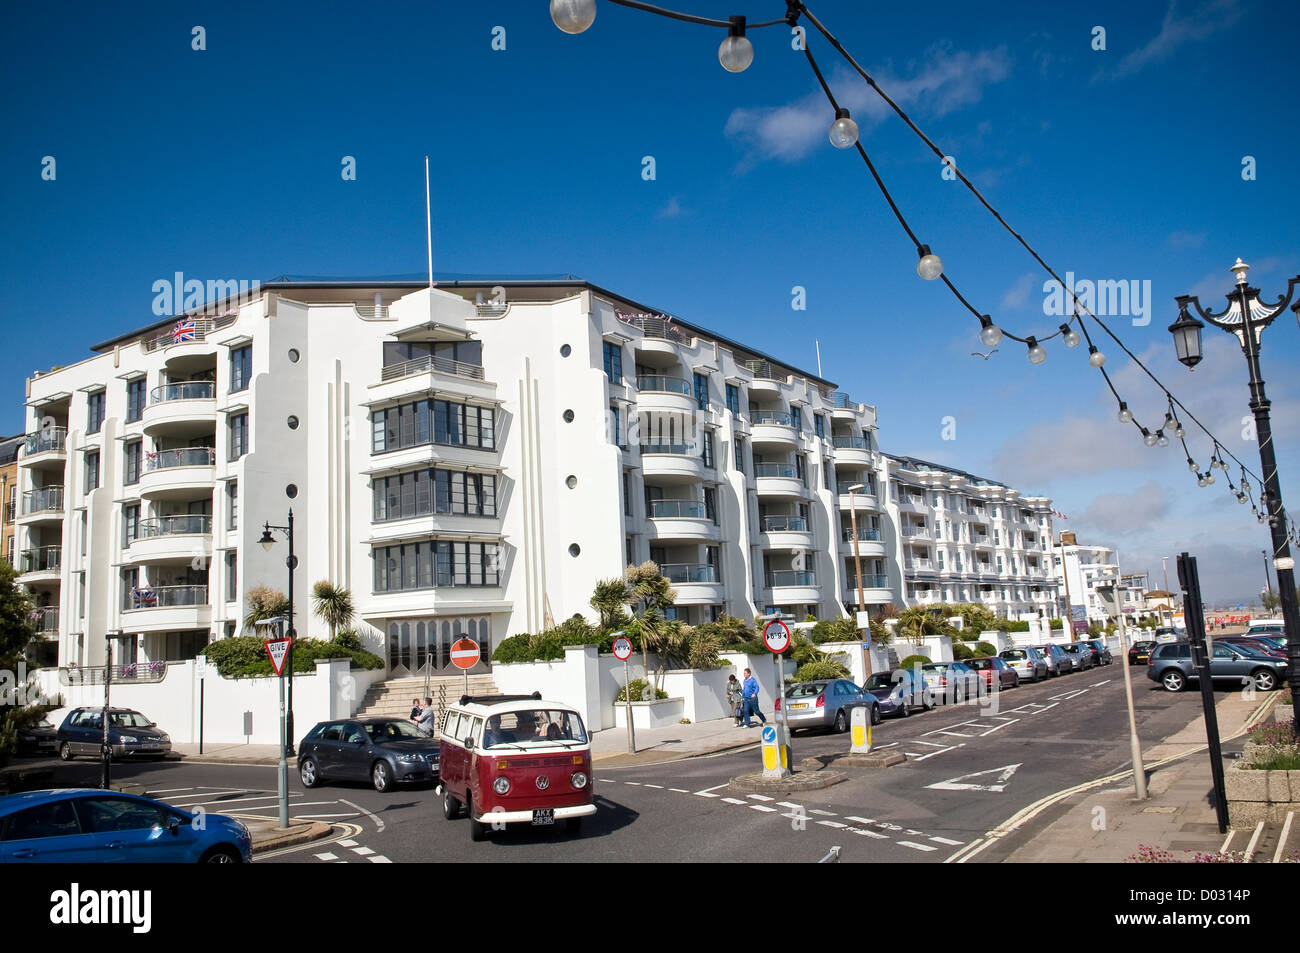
x=85, y=826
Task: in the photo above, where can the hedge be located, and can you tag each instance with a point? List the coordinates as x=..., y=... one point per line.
x=914, y=660
x=984, y=648
x=245, y=656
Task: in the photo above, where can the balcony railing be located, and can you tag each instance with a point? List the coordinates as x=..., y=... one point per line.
x=923, y=564
x=687, y=572
x=46, y=619
x=188, y=331
x=677, y=509
x=864, y=535
x=678, y=449
x=764, y=371
x=868, y=489
x=869, y=581
x=43, y=441
x=421, y=365
x=778, y=417
x=784, y=524
x=44, y=559
x=791, y=577
x=187, y=525
x=785, y=470
x=185, y=457
x=658, y=328
x=850, y=443
x=919, y=532
x=153, y=671
x=10, y=509
x=842, y=400
x=43, y=501
x=183, y=390
x=165, y=597
x=662, y=383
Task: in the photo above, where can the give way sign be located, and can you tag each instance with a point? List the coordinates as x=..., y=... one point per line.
x=277, y=650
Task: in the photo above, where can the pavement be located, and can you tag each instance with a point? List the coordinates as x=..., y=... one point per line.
x=609, y=747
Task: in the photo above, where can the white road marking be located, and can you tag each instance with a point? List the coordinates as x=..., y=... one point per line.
x=732, y=800
x=909, y=831
x=679, y=790
x=1281, y=840
x=835, y=824
x=944, y=840
x=704, y=794
x=1254, y=840
x=154, y=792
x=933, y=753
x=1066, y=696
x=859, y=820
x=915, y=846
x=1009, y=721
x=759, y=797
x=790, y=805
x=326, y=856
x=363, y=851
x=714, y=788
x=959, y=783
x=1228, y=840
x=762, y=807
x=637, y=783
x=822, y=813
x=1031, y=708
x=380, y=859
x=866, y=833
x=1099, y=683
x=658, y=787
x=316, y=817
x=239, y=800
x=347, y=843
x=378, y=821
x=203, y=798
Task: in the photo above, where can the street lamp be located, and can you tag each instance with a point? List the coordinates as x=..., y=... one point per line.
x=1268, y=583
x=1246, y=317
x=268, y=541
x=857, y=557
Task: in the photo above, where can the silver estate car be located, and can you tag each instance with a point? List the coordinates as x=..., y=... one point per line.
x=1027, y=662
x=826, y=703
x=1058, y=662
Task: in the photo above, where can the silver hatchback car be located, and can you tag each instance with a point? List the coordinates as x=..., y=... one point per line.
x=826, y=703
x=1027, y=662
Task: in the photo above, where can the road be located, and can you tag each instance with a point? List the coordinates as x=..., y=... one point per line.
x=969, y=768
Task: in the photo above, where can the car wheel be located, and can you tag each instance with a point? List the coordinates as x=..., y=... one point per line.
x=65, y=752
x=477, y=831
x=573, y=825
x=1265, y=681
x=1015, y=680
x=382, y=776
x=1173, y=680
x=875, y=714
x=841, y=721
x=308, y=773
x=904, y=707
x=450, y=806
x=225, y=854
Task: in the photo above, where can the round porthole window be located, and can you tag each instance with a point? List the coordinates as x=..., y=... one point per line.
x=565, y=350
x=293, y=422
x=291, y=491
x=293, y=355
x=568, y=416
x=571, y=481
x=574, y=549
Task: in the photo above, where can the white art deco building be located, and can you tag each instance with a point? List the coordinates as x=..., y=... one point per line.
x=467, y=460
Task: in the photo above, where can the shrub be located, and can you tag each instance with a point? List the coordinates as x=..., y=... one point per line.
x=914, y=660
x=245, y=656
x=820, y=668
x=1273, y=733
x=640, y=691
x=961, y=651
x=1010, y=625
x=984, y=648
x=835, y=630
x=349, y=639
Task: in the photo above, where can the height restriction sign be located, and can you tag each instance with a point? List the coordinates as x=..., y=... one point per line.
x=776, y=634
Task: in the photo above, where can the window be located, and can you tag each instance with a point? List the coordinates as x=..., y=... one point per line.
x=614, y=362
x=435, y=563
x=53, y=819
x=796, y=418
x=435, y=354
x=131, y=463
x=232, y=498
x=711, y=504
x=616, y=426
x=134, y=399
x=819, y=425
x=241, y=367
x=92, y=470
x=801, y=469
x=436, y=421
x=702, y=391
x=130, y=524
x=826, y=474
x=707, y=444
x=628, y=551
x=627, y=494
x=430, y=491
x=94, y=411
x=740, y=455
x=238, y=436
x=232, y=577
x=733, y=399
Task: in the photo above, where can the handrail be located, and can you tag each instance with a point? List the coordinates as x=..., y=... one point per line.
x=864, y=535
x=161, y=597
x=52, y=438
x=190, y=524
x=431, y=362
x=849, y=443
x=778, y=417
x=183, y=390
x=182, y=333
x=669, y=509
x=776, y=470
x=677, y=449
x=663, y=383
x=764, y=370
x=688, y=572
x=661, y=329
x=46, y=618
x=42, y=559
x=791, y=577
x=183, y=457
x=784, y=524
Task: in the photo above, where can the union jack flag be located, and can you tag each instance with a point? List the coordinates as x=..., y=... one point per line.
x=1059, y=515
x=144, y=598
x=185, y=331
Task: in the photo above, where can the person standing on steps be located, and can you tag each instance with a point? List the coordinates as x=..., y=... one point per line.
x=749, y=691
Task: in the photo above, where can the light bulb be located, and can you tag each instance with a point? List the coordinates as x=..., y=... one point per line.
x=1148, y=437
x=736, y=52
x=1095, y=357
x=1209, y=478
x=573, y=16
x=990, y=333
x=1241, y=498
x=1179, y=432
x=1201, y=480
x=1069, y=336
x=844, y=131
x=930, y=266
x=1036, y=353
x=1191, y=465
x=1161, y=439
x=1125, y=415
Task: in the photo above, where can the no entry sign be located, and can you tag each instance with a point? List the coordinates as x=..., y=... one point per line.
x=776, y=635
x=464, y=653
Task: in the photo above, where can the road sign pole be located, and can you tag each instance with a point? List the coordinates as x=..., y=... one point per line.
x=627, y=702
x=284, y=764
x=783, y=721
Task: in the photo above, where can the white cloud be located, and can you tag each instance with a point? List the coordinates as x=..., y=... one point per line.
x=1017, y=295
x=942, y=83
x=672, y=210
x=1127, y=512
x=1176, y=31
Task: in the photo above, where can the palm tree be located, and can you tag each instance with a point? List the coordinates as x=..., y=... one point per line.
x=647, y=587
x=265, y=603
x=609, y=599
x=333, y=604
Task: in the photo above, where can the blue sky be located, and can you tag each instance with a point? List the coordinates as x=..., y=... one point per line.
x=1123, y=163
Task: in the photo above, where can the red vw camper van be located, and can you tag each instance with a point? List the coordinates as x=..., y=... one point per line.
x=514, y=759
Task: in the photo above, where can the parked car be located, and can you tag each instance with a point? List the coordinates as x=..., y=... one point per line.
x=1059, y=662
x=1028, y=662
x=994, y=667
x=1258, y=644
x=86, y=826
x=1266, y=627
x=826, y=703
x=1171, y=665
x=1100, y=652
x=1080, y=656
x=384, y=751
x=950, y=682
x=40, y=738
x=900, y=692
x=1168, y=633
x=1139, y=653
x=130, y=734
x=515, y=759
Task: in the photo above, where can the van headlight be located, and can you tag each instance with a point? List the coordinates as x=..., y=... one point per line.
x=501, y=785
x=579, y=780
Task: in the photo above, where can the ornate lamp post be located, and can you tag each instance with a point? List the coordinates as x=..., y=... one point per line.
x=1246, y=317
x=267, y=541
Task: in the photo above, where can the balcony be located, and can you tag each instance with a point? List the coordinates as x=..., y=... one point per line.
x=172, y=539
x=695, y=584
x=46, y=449
x=852, y=451
x=43, y=505
x=791, y=577
x=431, y=363
x=681, y=521
x=188, y=334
x=672, y=462
x=869, y=581
x=916, y=532
x=180, y=407
x=778, y=480
x=656, y=328
x=793, y=586
x=773, y=428
x=864, y=499
x=42, y=564
x=166, y=608
x=177, y=474
x=46, y=620
x=785, y=532
x=767, y=377
x=666, y=394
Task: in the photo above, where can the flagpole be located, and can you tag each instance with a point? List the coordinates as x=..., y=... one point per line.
x=428, y=220
x=818, y=344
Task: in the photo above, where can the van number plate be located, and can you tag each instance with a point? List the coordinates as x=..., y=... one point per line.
x=543, y=816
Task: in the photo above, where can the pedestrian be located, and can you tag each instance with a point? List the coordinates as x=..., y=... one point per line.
x=424, y=724
x=735, y=697
x=749, y=691
x=415, y=709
